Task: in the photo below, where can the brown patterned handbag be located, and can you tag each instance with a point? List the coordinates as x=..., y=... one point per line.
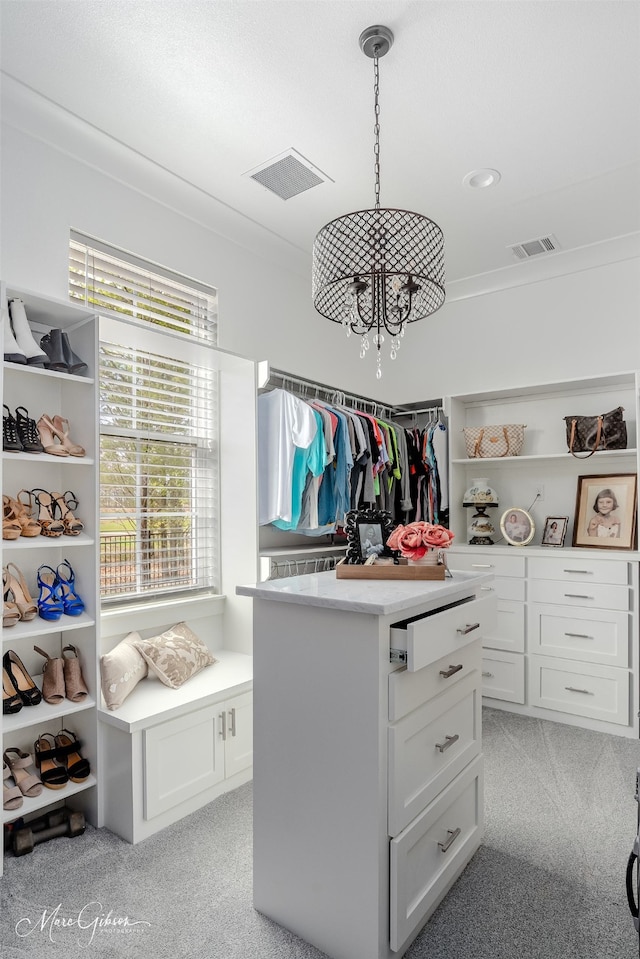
x=587, y=434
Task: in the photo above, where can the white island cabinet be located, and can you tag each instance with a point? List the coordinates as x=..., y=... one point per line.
x=368, y=755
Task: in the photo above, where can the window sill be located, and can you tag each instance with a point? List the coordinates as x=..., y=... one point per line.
x=161, y=613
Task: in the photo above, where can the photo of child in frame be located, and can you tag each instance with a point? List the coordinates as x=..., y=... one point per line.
x=606, y=511
x=555, y=529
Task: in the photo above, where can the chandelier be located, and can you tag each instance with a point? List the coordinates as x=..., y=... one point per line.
x=376, y=270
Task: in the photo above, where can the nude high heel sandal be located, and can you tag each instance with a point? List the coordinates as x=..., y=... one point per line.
x=11, y=528
x=61, y=427
x=23, y=600
x=15, y=511
x=47, y=436
x=10, y=611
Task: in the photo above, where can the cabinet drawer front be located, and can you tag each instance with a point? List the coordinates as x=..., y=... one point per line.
x=432, y=637
x=509, y=588
x=429, y=747
x=583, y=689
x=503, y=676
x=489, y=563
x=585, y=595
x=409, y=690
x=426, y=857
x=590, y=635
x=196, y=759
x=509, y=629
x=575, y=569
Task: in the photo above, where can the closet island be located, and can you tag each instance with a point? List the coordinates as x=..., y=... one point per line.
x=368, y=788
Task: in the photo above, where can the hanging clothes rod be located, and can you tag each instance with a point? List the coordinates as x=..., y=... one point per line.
x=339, y=397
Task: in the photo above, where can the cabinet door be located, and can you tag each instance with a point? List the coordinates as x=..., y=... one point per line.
x=238, y=730
x=503, y=676
x=182, y=757
x=508, y=632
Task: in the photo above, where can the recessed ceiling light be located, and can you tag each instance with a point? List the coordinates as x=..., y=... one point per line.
x=479, y=179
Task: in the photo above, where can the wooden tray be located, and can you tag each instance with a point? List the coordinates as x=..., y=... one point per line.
x=382, y=571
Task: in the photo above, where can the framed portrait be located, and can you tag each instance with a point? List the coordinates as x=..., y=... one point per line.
x=367, y=532
x=606, y=511
x=517, y=526
x=555, y=530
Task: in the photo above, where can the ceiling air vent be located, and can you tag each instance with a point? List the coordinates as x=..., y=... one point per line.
x=544, y=244
x=288, y=175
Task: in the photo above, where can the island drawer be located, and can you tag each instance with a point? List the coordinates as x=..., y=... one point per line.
x=430, y=637
x=408, y=691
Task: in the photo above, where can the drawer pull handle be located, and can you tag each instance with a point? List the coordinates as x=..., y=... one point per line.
x=482, y=566
x=448, y=673
x=577, y=596
x=486, y=589
x=449, y=741
x=223, y=722
x=585, y=572
x=488, y=675
x=453, y=835
x=468, y=628
x=579, y=636
x=574, y=689
x=232, y=725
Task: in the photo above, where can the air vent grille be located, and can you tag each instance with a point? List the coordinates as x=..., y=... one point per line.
x=529, y=248
x=288, y=175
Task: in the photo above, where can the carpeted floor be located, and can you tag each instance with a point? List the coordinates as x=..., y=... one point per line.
x=548, y=883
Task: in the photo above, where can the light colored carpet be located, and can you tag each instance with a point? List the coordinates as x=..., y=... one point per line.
x=548, y=883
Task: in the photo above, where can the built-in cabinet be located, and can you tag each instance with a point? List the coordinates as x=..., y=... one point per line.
x=565, y=643
x=74, y=398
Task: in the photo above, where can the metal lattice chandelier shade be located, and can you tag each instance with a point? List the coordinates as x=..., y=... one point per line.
x=376, y=270
x=386, y=249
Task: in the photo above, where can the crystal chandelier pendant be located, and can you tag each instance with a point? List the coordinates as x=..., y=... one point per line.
x=379, y=269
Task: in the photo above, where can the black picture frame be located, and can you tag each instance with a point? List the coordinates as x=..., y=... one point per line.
x=555, y=530
x=367, y=532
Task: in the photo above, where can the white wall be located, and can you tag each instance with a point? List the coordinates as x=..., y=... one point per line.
x=585, y=321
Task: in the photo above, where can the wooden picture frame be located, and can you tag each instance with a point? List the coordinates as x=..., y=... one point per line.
x=605, y=516
x=367, y=532
x=555, y=530
x=517, y=526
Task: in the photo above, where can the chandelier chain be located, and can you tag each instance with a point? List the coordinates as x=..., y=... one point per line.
x=376, y=127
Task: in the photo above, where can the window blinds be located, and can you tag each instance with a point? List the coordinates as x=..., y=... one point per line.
x=159, y=467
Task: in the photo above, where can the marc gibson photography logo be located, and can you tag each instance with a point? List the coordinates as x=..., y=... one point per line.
x=84, y=925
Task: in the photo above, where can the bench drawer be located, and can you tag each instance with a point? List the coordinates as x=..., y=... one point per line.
x=431, y=637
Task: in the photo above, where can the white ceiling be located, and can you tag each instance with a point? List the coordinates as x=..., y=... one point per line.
x=545, y=91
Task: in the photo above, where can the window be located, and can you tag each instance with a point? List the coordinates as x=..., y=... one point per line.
x=158, y=424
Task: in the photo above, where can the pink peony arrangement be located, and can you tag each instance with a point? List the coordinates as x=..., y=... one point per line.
x=416, y=539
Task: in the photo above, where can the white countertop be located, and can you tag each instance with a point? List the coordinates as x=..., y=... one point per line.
x=378, y=597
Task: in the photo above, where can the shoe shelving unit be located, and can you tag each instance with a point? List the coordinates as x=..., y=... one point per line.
x=74, y=397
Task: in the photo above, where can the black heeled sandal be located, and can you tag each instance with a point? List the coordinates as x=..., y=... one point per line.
x=21, y=680
x=28, y=431
x=65, y=503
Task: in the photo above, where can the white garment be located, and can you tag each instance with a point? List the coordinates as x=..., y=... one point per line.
x=284, y=422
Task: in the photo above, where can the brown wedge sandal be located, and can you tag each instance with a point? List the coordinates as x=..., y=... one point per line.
x=16, y=511
x=52, y=678
x=74, y=682
x=52, y=772
x=11, y=795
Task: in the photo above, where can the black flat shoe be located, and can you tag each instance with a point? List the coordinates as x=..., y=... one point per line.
x=21, y=680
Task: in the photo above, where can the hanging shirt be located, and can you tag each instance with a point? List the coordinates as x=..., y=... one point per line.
x=284, y=423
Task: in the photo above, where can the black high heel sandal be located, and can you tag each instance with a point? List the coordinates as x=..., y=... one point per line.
x=10, y=439
x=21, y=680
x=52, y=773
x=65, y=503
x=28, y=432
x=68, y=751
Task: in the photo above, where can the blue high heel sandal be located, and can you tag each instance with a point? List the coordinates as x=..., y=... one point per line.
x=50, y=602
x=71, y=602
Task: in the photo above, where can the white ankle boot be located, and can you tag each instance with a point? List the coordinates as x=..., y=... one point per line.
x=24, y=336
x=12, y=352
